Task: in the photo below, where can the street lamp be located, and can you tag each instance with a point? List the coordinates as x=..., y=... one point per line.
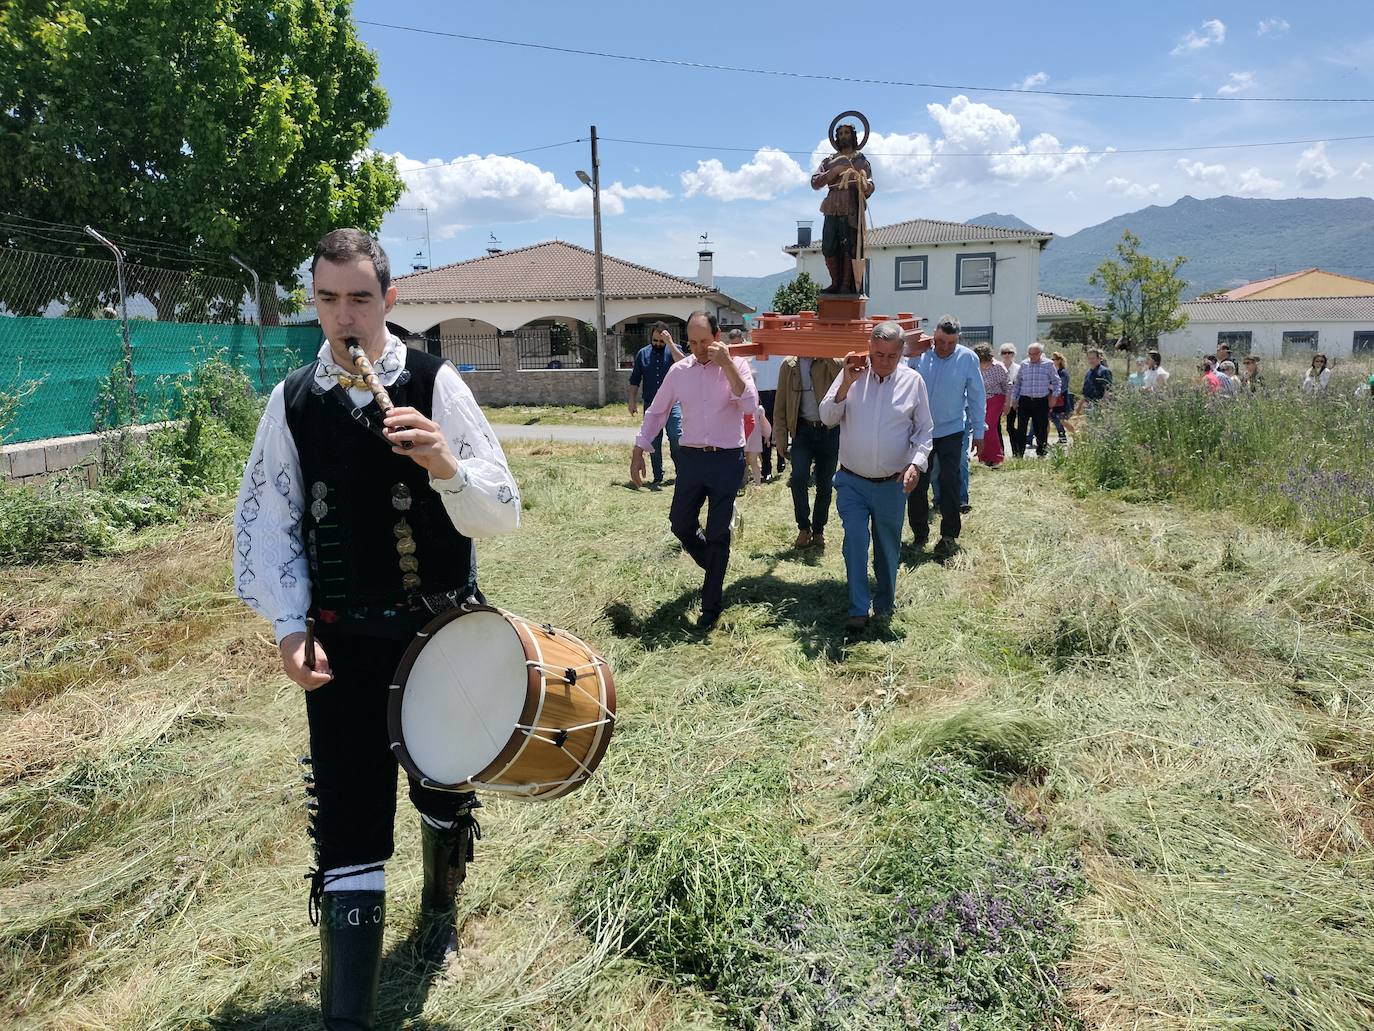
x=593, y=182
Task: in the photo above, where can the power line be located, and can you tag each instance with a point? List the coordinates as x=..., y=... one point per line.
x=705, y=66
x=508, y=154
x=1003, y=153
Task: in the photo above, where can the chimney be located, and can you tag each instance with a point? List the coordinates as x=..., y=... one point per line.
x=705, y=273
x=803, y=233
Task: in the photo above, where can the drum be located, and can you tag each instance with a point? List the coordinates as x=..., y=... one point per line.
x=485, y=700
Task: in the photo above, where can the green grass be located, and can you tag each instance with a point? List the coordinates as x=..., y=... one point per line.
x=1111, y=767
x=613, y=414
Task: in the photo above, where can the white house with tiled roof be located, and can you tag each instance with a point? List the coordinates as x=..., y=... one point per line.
x=519, y=324
x=1291, y=327
x=985, y=276
x=510, y=289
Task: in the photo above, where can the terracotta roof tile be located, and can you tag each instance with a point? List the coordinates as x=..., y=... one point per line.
x=930, y=231
x=1289, y=309
x=544, y=271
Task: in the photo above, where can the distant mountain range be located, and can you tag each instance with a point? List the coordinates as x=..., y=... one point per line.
x=997, y=221
x=1227, y=241
x=755, y=291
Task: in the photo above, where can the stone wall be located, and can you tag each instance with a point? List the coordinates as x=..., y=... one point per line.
x=38, y=460
x=512, y=385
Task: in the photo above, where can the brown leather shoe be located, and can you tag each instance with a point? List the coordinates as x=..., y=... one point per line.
x=818, y=541
x=803, y=539
x=855, y=624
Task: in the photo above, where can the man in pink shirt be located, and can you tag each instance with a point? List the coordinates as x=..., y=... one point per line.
x=714, y=392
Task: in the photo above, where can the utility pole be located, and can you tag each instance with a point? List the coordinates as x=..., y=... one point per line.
x=595, y=183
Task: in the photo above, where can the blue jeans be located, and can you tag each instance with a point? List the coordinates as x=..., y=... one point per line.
x=673, y=427
x=820, y=446
x=963, y=474
x=870, y=509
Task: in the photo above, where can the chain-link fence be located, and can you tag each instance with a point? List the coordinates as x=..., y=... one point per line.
x=89, y=344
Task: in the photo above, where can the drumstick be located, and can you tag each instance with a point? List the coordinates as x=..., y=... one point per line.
x=369, y=375
x=310, y=643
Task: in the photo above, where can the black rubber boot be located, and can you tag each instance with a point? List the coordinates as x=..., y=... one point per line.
x=351, y=925
x=447, y=852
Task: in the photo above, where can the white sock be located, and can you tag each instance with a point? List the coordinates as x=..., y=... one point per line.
x=350, y=878
x=443, y=825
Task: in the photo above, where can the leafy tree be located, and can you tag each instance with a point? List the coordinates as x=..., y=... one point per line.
x=801, y=294
x=214, y=125
x=1143, y=296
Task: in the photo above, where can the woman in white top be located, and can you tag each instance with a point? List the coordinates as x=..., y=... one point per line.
x=1318, y=376
x=1156, y=377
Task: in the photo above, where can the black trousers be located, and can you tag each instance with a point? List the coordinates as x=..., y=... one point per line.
x=709, y=478
x=838, y=237
x=1031, y=413
x=354, y=767
x=949, y=450
x=766, y=400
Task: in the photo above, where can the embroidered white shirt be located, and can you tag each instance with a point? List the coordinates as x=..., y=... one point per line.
x=270, y=572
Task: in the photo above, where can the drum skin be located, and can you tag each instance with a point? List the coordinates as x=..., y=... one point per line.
x=567, y=684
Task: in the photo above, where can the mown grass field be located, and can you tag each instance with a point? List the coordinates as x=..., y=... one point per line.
x=1112, y=768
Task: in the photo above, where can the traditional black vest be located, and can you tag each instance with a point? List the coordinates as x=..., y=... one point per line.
x=379, y=543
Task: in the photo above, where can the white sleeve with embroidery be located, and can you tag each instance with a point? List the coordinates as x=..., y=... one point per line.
x=482, y=498
x=270, y=572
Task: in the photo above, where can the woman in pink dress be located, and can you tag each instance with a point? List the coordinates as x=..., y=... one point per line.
x=996, y=384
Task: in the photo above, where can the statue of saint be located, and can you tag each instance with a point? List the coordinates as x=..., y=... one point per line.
x=848, y=177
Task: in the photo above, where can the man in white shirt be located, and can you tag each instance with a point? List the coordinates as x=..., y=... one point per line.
x=765, y=368
x=883, y=413
x=365, y=524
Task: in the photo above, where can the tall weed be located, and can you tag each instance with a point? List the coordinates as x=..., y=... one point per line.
x=1282, y=457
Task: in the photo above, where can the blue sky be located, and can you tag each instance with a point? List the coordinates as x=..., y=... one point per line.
x=454, y=99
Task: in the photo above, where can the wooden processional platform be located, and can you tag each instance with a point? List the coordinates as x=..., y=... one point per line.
x=840, y=326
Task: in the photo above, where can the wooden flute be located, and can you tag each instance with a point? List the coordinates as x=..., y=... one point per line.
x=369, y=375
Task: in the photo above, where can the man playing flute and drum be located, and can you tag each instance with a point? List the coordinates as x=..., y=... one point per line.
x=357, y=514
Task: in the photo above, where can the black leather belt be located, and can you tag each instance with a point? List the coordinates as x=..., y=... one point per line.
x=872, y=479
x=708, y=447
x=815, y=424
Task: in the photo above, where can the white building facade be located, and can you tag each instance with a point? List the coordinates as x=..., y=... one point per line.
x=1296, y=327
x=986, y=277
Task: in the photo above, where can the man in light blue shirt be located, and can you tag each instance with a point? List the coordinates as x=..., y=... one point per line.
x=954, y=383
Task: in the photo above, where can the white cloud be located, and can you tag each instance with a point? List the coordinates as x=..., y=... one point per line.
x=1130, y=190
x=979, y=129
x=1250, y=181
x=619, y=189
x=1239, y=83
x=475, y=190
x=1273, y=27
x=1031, y=81
x=1362, y=171
x=978, y=143
x=1213, y=34
x=1315, y=168
x=770, y=173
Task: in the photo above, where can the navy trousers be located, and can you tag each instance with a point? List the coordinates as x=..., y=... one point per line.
x=709, y=478
x=946, y=449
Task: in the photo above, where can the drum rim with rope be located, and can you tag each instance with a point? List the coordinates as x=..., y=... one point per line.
x=523, y=731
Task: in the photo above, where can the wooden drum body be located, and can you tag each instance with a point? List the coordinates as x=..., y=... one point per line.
x=486, y=700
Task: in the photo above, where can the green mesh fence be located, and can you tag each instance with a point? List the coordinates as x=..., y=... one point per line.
x=75, y=367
